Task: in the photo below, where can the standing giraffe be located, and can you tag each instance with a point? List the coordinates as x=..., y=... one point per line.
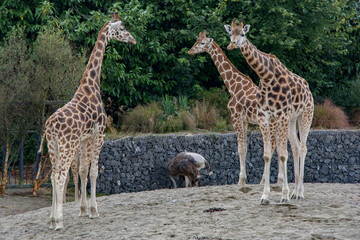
x=242, y=103
x=79, y=124
x=283, y=100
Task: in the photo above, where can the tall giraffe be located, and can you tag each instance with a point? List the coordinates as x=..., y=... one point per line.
x=283, y=100
x=79, y=124
x=242, y=103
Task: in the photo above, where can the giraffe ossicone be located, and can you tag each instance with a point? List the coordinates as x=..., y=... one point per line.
x=77, y=129
x=283, y=100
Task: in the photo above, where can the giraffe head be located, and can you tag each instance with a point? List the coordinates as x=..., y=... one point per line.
x=237, y=34
x=117, y=30
x=202, y=44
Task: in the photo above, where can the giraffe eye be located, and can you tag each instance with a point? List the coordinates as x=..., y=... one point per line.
x=202, y=43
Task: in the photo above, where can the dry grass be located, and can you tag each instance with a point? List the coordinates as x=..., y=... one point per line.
x=329, y=116
x=206, y=115
x=143, y=118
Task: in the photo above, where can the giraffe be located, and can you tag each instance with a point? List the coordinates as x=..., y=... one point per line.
x=283, y=100
x=242, y=103
x=78, y=124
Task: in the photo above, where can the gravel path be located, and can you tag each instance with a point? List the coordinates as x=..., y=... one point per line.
x=330, y=211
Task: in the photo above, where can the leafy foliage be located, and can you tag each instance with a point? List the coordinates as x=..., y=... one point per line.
x=316, y=39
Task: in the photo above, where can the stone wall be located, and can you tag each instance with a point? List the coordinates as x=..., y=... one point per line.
x=138, y=164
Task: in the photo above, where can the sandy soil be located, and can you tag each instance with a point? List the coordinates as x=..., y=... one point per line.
x=330, y=211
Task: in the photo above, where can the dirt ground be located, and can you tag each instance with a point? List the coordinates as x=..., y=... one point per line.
x=330, y=211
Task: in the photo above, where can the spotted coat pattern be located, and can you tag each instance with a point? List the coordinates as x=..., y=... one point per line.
x=75, y=132
x=242, y=103
x=283, y=100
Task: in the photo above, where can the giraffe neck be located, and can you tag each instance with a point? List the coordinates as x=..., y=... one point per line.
x=224, y=66
x=262, y=63
x=92, y=74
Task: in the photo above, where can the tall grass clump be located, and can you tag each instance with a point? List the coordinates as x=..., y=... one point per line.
x=206, y=116
x=329, y=116
x=143, y=118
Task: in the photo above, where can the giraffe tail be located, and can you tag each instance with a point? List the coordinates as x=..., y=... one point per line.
x=41, y=143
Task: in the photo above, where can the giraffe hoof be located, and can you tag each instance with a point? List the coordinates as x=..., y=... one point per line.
x=284, y=200
x=93, y=213
x=297, y=197
x=265, y=202
x=59, y=227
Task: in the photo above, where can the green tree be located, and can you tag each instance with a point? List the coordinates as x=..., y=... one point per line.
x=17, y=96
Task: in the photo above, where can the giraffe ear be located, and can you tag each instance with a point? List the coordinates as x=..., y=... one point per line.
x=228, y=28
x=246, y=29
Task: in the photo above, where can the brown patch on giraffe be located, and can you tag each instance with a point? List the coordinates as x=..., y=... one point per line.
x=255, y=65
x=67, y=112
x=276, y=88
x=271, y=103
x=271, y=95
x=281, y=98
x=92, y=74
x=98, y=54
x=238, y=108
x=251, y=59
x=100, y=45
x=220, y=58
x=93, y=99
x=282, y=80
x=229, y=75
x=102, y=37
x=87, y=90
x=69, y=121
x=285, y=89
x=226, y=66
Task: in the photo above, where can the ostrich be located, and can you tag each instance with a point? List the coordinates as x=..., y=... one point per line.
x=187, y=164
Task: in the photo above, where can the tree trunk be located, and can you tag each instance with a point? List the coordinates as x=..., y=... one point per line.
x=5, y=169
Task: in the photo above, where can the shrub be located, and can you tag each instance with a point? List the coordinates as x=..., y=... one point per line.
x=329, y=116
x=219, y=98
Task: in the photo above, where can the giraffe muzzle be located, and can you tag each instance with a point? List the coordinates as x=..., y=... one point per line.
x=191, y=52
x=132, y=41
x=231, y=46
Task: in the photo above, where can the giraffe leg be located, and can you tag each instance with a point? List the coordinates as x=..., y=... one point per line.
x=75, y=171
x=273, y=146
x=97, y=144
x=265, y=130
x=52, y=216
x=65, y=187
x=62, y=170
x=241, y=132
x=54, y=158
x=304, y=128
x=283, y=155
x=295, y=148
x=83, y=172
